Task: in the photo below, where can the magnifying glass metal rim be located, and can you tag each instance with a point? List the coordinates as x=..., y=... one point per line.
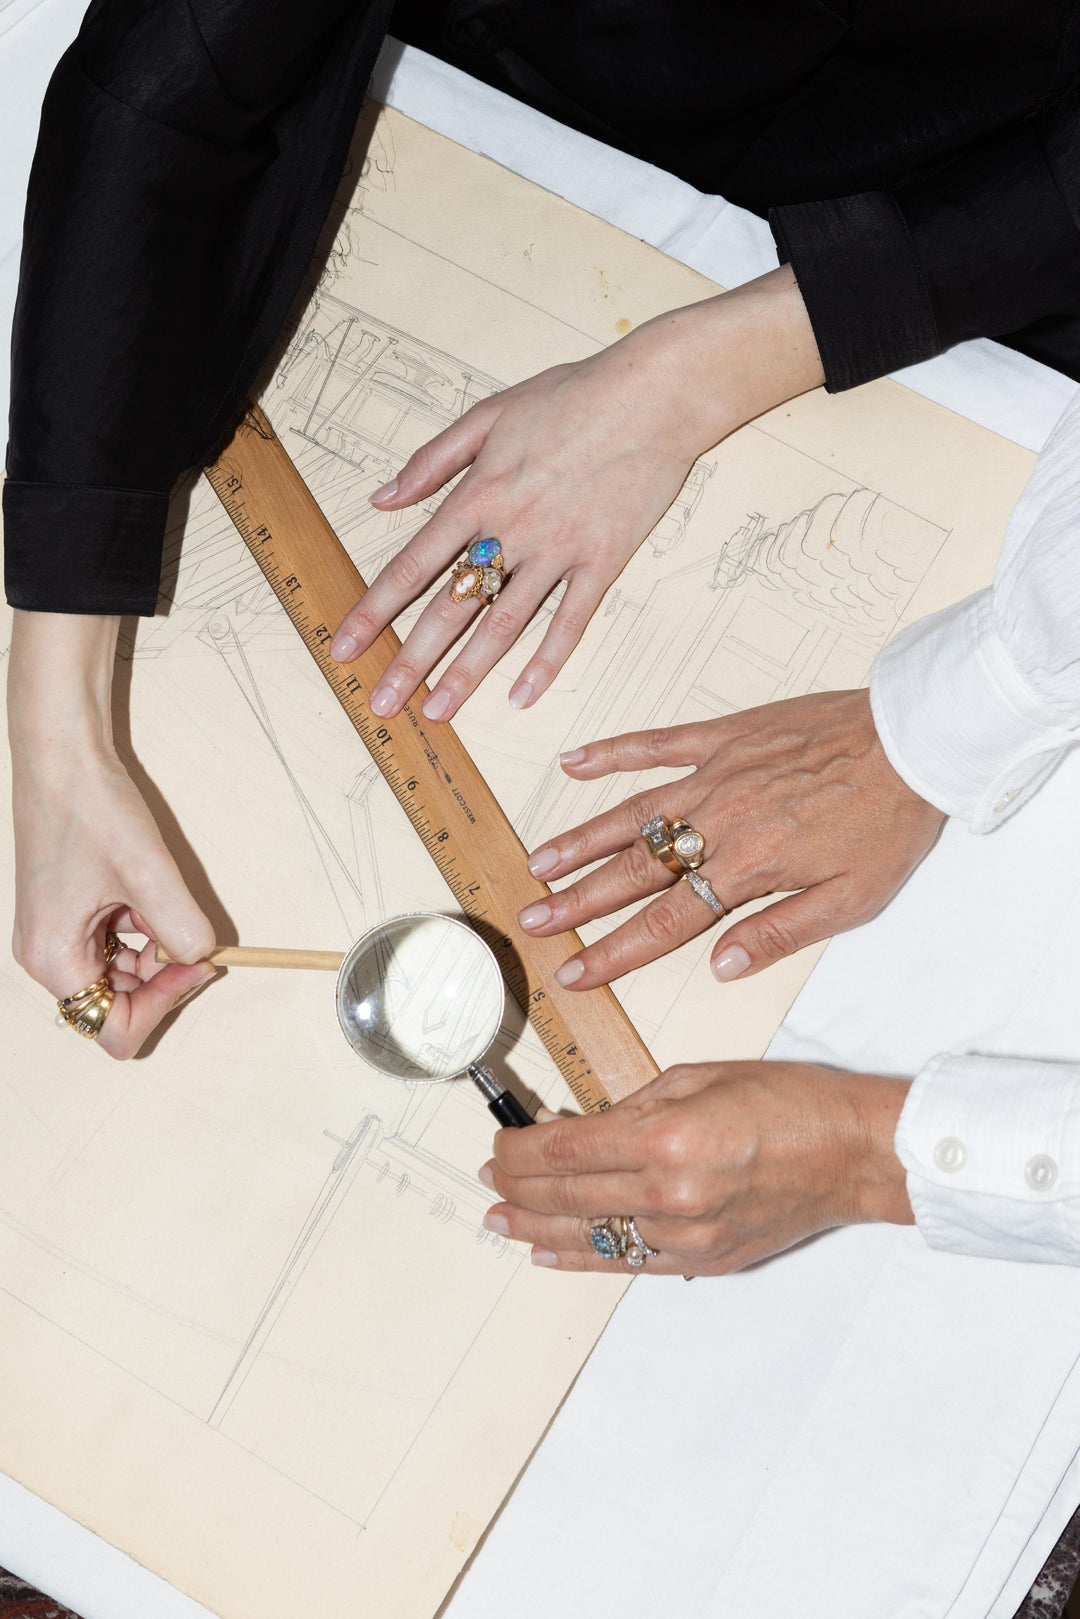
x=349, y=960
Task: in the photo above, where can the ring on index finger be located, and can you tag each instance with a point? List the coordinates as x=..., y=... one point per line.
x=481, y=573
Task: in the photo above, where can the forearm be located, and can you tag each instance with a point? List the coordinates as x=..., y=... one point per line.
x=60, y=673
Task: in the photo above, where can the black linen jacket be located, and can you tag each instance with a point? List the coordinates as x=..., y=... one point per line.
x=920, y=165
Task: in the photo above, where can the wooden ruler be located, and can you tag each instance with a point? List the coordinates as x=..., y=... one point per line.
x=456, y=815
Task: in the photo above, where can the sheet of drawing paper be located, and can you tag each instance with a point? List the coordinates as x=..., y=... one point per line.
x=252, y=1329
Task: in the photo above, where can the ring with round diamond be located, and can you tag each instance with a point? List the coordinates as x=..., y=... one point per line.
x=481, y=572
x=676, y=844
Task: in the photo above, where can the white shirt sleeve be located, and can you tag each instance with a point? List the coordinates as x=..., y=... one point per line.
x=991, y=1146
x=975, y=705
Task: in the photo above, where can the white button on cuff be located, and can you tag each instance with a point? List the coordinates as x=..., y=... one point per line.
x=950, y=1154
x=1041, y=1172
x=1005, y=800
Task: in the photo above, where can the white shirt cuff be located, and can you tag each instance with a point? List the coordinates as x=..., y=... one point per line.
x=957, y=719
x=991, y=1146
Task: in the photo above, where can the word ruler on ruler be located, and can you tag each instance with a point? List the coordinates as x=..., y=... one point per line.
x=457, y=817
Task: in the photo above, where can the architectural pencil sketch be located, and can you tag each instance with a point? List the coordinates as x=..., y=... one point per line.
x=258, y=1266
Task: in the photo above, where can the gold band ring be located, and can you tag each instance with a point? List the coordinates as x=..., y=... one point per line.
x=87, y=1009
x=678, y=845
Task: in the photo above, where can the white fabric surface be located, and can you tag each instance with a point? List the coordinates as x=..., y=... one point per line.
x=864, y=1425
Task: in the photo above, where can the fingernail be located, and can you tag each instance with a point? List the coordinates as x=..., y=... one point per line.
x=730, y=963
x=195, y=988
x=543, y=861
x=544, y=1256
x=387, y=490
x=497, y=1223
x=436, y=705
x=544, y=1115
x=534, y=916
x=343, y=648
x=487, y=1175
x=574, y=757
x=383, y=700
x=522, y=694
x=569, y=973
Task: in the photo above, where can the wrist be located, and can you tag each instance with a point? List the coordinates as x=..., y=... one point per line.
x=59, y=691
x=735, y=356
x=877, y=1178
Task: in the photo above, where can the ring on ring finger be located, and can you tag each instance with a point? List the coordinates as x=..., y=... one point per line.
x=481, y=572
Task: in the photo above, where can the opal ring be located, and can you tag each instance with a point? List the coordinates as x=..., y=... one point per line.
x=678, y=845
x=481, y=572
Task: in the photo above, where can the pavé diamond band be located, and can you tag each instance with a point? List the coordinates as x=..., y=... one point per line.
x=481, y=572
x=704, y=890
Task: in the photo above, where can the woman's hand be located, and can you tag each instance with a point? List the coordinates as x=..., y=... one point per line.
x=570, y=471
x=88, y=855
x=720, y=1164
x=795, y=795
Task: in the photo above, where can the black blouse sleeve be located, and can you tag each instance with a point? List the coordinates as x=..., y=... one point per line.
x=188, y=156
x=987, y=245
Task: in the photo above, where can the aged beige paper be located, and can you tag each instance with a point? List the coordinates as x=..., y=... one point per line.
x=252, y=1330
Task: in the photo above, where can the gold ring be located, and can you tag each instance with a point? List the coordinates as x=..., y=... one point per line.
x=657, y=834
x=481, y=572
x=677, y=844
x=87, y=1009
x=113, y=947
x=688, y=844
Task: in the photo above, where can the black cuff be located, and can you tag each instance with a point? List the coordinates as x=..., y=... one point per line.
x=78, y=550
x=861, y=283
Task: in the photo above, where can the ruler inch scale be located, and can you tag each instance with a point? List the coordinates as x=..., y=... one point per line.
x=456, y=816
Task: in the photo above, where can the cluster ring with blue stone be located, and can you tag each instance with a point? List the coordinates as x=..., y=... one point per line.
x=618, y=1237
x=681, y=848
x=480, y=573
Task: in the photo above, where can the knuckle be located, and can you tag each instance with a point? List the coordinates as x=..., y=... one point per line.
x=406, y=572
x=640, y=865
x=502, y=625
x=561, y=1150
x=663, y=922
x=670, y=1143
x=683, y=1197
x=773, y=938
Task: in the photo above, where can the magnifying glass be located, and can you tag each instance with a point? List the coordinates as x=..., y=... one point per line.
x=420, y=998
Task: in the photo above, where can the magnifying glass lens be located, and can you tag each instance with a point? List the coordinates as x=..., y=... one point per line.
x=420, y=997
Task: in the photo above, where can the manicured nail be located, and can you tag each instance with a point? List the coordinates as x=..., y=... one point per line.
x=534, y=916
x=730, y=963
x=436, y=705
x=383, y=701
x=544, y=1256
x=343, y=648
x=386, y=492
x=544, y=1115
x=543, y=861
x=569, y=973
x=574, y=757
x=497, y=1223
x=487, y=1175
x=522, y=694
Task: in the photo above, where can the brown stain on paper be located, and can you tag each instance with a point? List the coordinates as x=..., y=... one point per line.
x=464, y=1531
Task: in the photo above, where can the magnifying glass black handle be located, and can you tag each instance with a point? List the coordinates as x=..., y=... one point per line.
x=502, y=1105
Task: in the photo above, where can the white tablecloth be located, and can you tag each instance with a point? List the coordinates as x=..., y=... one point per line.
x=862, y=1426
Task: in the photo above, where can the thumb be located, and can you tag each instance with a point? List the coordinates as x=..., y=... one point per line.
x=165, y=910
x=439, y=460
x=784, y=927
